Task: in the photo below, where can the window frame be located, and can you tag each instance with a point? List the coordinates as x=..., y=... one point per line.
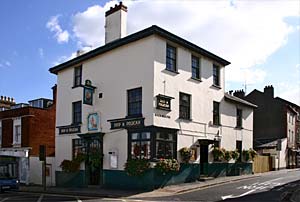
x=75, y=122
x=185, y=105
x=75, y=84
x=196, y=68
x=17, y=133
x=216, y=113
x=172, y=58
x=1, y=133
x=136, y=102
x=139, y=140
x=153, y=131
x=239, y=118
x=80, y=144
x=216, y=75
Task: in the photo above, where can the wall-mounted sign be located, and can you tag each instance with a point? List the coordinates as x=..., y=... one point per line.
x=88, y=91
x=69, y=129
x=93, y=122
x=126, y=123
x=163, y=102
x=163, y=116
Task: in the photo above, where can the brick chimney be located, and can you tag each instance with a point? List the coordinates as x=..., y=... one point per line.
x=6, y=102
x=239, y=94
x=115, y=23
x=269, y=91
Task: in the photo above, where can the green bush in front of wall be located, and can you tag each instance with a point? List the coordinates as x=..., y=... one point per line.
x=165, y=166
x=136, y=167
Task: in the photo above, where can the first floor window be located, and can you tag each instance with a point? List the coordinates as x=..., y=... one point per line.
x=17, y=133
x=171, y=58
x=216, y=113
x=78, y=147
x=216, y=75
x=134, y=100
x=77, y=76
x=195, y=67
x=239, y=118
x=77, y=112
x=152, y=144
x=184, y=106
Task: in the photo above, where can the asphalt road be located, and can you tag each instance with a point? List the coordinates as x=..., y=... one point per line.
x=276, y=186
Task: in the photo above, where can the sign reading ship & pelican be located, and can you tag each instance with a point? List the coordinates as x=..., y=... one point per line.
x=69, y=129
x=126, y=123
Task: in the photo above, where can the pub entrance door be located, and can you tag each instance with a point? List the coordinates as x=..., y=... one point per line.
x=203, y=158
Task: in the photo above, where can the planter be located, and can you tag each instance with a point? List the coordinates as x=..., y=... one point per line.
x=68, y=179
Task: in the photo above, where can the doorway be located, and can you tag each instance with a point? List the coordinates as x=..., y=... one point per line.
x=203, y=159
x=94, y=161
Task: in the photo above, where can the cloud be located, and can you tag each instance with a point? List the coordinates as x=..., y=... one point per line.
x=244, y=32
x=289, y=91
x=5, y=64
x=41, y=52
x=62, y=36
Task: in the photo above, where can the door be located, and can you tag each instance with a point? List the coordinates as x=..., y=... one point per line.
x=94, y=161
x=203, y=159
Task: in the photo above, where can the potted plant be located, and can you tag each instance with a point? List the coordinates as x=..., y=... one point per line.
x=218, y=153
x=235, y=155
x=252, y=154
x=185, y=154
x=227, y=155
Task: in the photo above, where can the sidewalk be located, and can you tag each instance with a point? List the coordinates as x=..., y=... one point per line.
x=166, y=191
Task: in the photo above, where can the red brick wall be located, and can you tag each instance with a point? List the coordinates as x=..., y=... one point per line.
x=7, y=131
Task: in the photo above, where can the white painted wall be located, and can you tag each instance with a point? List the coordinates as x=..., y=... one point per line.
x=35, y=171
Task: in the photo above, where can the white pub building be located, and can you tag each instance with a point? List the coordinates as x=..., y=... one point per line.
x=145, y=95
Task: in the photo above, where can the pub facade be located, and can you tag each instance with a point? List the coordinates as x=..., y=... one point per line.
x=145, y=95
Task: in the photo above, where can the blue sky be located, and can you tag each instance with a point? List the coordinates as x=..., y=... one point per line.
x=260, y=39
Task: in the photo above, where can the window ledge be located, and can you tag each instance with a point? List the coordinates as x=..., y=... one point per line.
x=77, y=86
x=184, y=119
x=175, y=72
x=215, y=86
x=239, y=128
x=196, y=79
x=216, y=125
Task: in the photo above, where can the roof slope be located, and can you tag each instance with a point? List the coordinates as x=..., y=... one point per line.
x=134, y=37
x=238, y=100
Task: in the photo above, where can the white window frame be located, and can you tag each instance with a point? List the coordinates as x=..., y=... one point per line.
x=17, y=122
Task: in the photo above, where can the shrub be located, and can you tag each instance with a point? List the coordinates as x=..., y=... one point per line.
x=167, y=165
x=136, y=167
x=249, y=154
x=218, y=153
x=252, y=154
x=235, y=154
x=186, y=154
x=69, y=166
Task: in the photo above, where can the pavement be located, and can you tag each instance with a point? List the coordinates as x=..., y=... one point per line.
x=166, y=191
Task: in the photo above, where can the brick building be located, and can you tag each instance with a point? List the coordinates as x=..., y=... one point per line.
x=276, y=126
x=23, y=127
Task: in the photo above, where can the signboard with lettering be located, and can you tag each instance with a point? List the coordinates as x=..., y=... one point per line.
x=126, y=123
x=69, y=129
x=163, y=102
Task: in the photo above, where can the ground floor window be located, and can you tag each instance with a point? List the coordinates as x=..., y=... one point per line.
x=78, y=147
x=153, y=143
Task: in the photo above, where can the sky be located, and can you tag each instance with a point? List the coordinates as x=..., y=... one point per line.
x=261, y=39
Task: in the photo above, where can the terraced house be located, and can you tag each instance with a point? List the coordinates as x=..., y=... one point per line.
x=145, y=95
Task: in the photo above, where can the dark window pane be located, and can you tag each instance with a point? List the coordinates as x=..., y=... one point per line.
x=184, y=106
x=171, y=58
x=216, y=75
x=77, y=76
x=134, y=101
x=216, y=113
x=239, y=117
x=195, y=67
x=77, y=112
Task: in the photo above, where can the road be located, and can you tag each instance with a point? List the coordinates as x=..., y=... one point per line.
x=276, y=186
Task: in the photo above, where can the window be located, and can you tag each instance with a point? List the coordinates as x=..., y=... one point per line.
x=17, y=134
x=195, y=67
x=140, y=145
x=134, y=97
x=77, y=112
x=184, y=106
x=78, y=147
x=239, y=118
x=77, y=76
x=165, y=145
x=216, y=113
x=171, y=58
x=152, y=144
x=216, y=75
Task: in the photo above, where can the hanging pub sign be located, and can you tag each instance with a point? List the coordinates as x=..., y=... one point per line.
x=163, y=102
x=88, y=91
x=69, y=129
x=126, y=123
x=93, y=122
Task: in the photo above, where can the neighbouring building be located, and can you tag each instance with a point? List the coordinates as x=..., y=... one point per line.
x=23, y=128
x=276, y=127
x=145, y=95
